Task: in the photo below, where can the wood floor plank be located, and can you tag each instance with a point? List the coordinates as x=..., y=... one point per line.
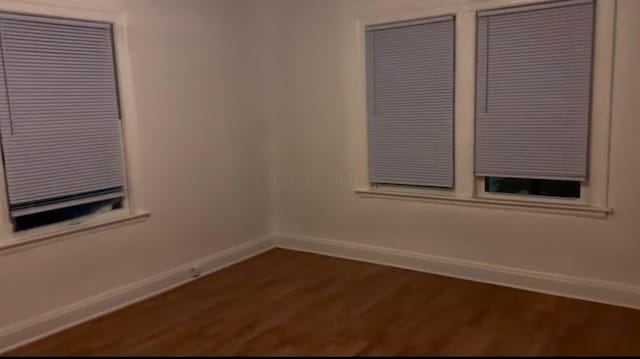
x=291, y=303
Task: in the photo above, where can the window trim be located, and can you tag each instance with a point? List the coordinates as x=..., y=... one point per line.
x=37, y=236
x=469, y=189
x=518, y=204
x=132, y=201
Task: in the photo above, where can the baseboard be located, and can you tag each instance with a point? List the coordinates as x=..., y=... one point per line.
x=574, y=287
x=33, y=329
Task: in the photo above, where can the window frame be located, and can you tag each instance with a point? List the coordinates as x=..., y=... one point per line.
x=593, y=191
x=469, y=189
x=131, y=203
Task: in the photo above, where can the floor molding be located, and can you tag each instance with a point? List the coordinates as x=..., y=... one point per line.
x=49, y=323
x=574, y=287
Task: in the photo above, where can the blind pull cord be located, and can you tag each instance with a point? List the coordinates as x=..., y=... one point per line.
x=6, y=78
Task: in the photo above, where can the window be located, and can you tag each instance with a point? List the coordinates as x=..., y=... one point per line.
x=410, y=80
x=527, y=134
x=59, y=119
x=533, y=100
x=538, y=187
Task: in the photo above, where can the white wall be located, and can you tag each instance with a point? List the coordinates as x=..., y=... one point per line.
x=229, y=90
x=203, y=149
x=316, y=148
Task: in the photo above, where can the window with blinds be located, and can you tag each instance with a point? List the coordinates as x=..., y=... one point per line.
x=59, y=117
x=410, y=89
x=534, y=94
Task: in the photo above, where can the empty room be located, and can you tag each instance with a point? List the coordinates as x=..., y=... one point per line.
x=319, y=177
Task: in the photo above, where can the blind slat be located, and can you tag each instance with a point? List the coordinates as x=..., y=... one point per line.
x=410, y=80
x=61, y=133
x=533, y=91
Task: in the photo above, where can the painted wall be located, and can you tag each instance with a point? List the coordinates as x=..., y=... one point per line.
x=230, y=91
x=316, y=144
x=203, y=149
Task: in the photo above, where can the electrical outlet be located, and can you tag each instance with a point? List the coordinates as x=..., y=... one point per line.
x=195, y=272
x=75, y=221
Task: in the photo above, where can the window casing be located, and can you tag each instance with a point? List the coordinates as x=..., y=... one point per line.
x=469, y=189
x=132, y=205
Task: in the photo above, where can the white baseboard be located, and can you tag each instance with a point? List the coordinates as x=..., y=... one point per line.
x=574, y=287
x=38, y=327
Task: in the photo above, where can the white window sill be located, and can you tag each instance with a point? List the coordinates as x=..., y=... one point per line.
x=521, y=205
x=39, y=237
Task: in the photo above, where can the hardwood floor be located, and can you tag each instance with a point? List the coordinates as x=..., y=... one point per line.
x=284, y=302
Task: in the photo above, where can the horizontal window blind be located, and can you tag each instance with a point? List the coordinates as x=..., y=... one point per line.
x=410, y=80
x=533, y=90
x=59, y=113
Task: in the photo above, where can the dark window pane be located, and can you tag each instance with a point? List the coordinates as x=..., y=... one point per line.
x=540, y=187
x=64, y=214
